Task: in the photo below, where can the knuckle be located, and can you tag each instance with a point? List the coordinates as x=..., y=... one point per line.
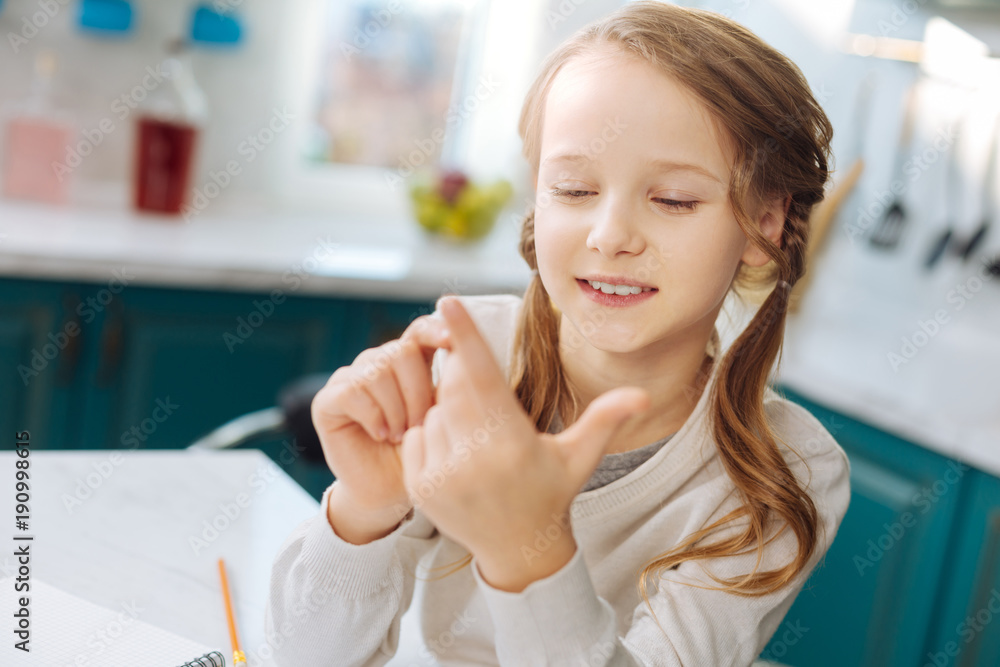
x=322, y=399
x=423, y=325
x=381, y=356
x=363, y=356
x=340, y=377
x=419, y=323
x=316, y=404
x=393, y=348
x=324, y=394
x=407, y=349
x=365, y=371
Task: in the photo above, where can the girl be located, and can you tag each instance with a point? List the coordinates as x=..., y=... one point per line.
x=596, y=482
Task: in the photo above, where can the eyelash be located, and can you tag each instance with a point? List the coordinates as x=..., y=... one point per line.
x=670, y=203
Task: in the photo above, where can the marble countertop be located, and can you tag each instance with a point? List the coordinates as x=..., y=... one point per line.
x=246, y=247
x=129, y=533
x=911, y=352
x=977, y=445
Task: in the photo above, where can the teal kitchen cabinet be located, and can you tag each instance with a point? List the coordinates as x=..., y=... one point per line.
x=385, y=321
x=870, y=602
x=41, y=342
x=158, y=368
x=968, y=631
x=174, y=364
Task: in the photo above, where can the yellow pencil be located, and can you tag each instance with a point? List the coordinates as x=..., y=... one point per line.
x=238, y=657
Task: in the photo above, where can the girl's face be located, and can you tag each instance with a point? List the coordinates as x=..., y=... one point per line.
x=633, y=186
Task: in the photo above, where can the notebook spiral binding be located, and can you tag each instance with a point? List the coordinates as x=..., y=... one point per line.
x=213, y=659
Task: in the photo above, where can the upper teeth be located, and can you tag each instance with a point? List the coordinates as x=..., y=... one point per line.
x=621, y=290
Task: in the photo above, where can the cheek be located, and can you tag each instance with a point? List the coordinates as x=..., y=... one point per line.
x=554, y=245
x=704, y=259
x=718, y=263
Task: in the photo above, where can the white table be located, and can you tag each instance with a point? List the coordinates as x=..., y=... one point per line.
x=130, y=540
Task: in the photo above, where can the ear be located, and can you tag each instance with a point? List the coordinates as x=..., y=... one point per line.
x=771, y=223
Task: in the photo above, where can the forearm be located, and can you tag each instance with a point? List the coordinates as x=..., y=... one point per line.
x=332, y=602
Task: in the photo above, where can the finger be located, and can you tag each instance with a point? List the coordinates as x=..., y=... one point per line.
x=351, y=402
x=428, y=332
x=585, y=441
x=458, y=397
x=437, y=443
x=385, y=391
x=467, y=342
x=414, y=377
x=411, y=455
x=371, y=372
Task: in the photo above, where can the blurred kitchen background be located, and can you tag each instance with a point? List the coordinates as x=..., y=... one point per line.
x=207, y=207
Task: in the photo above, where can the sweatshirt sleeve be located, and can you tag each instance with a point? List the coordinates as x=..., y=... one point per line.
x=336, y=604
x=561, y=620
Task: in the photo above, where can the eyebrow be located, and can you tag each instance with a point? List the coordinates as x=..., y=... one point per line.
x=660, y=165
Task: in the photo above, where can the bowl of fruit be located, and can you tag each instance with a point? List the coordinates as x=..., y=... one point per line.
x=449, y=204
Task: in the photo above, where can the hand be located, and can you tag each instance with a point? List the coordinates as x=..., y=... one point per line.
x=356, y=414
x=480, y=470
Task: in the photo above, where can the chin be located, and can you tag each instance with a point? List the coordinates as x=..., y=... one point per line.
x=596, y=333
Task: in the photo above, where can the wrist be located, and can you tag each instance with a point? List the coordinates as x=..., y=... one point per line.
x=517, y=571
x=357, y=524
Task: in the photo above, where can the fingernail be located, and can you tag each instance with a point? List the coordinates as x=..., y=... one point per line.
x=397, y=437
x=382, y=433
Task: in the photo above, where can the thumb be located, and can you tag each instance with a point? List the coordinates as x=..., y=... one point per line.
x=584, y=443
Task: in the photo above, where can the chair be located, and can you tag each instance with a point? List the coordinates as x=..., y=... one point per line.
x=269, y=429
x=291, y=415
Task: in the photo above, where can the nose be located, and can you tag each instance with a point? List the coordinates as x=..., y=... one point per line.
x=613, y=230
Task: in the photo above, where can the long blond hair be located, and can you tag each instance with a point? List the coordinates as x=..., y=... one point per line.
x=782, y=148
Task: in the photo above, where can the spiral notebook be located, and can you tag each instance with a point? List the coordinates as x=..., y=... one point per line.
x=67, y=630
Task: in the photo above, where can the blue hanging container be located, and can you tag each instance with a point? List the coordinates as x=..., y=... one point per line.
x=214, y=28
x=106, y=16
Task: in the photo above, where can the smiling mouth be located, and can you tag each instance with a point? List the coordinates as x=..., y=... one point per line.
x=618, y=289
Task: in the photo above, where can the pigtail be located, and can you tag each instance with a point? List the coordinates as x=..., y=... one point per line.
x=537, y=375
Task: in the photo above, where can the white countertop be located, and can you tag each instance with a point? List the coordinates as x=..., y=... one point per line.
x=862, y=305
x=130, y=540
x=977, y=445
x=251, y=248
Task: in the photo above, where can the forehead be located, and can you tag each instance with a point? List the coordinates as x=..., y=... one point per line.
x=623, y=105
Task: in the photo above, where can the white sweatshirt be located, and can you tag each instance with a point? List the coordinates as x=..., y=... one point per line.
x=336, y=604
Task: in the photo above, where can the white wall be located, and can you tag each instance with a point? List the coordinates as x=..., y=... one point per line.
x=243, y=85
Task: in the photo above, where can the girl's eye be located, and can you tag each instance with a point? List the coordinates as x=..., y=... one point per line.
x=574, y=194
x=679, y=205
x=675, y=204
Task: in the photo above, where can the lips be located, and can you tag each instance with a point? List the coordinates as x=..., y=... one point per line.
x=616, y=280
x=634, y=296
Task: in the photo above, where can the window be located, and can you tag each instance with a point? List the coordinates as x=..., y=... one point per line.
x=386, y=79
x=389, y=87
